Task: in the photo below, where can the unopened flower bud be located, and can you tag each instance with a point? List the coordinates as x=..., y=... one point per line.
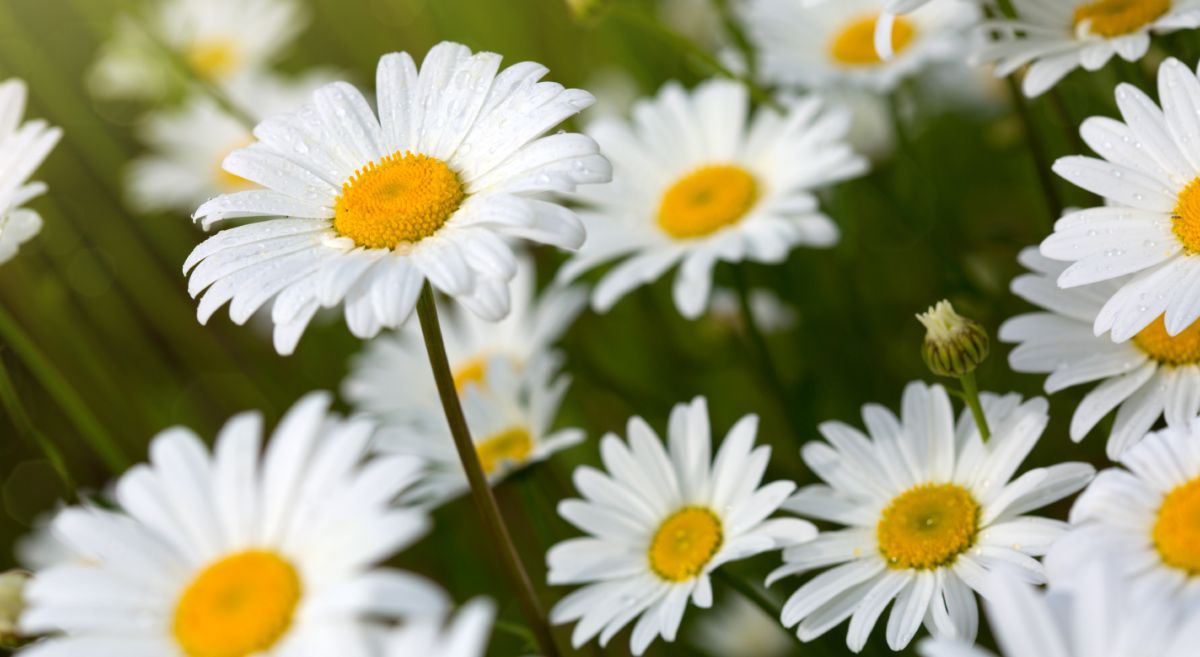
x=588, y=11
x=12, y=603
x=954, y=345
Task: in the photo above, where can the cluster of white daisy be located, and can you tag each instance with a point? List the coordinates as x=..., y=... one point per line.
x=445, y=183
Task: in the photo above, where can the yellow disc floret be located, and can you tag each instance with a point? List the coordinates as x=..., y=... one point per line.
x=706, y=200
x=1177, y=530
x=1113, y=18
x=854, y=44
x=1182, y=349
x=473, y=371
x=928, y=526
x=685, y=542
x=510, y=446
x=239, y=606
x=213, y=59
x=1185, y=221
x=401, y=199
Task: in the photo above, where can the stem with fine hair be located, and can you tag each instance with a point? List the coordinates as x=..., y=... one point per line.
x=971, y=396
x=11, y=400
x=63, y=394
x=485, y=501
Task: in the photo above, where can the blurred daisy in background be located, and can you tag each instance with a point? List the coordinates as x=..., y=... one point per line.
x=188, y=145
x=1149, y=226
x=929, y=508
x=232, y=554
x=23, y=147
x=737, y=628
x=361, y=211
x=694, y=184
x=220, y=41
x=1147, y=514
x=1144, y=378
x=660, y=521
x=1055, y=37
x=464, y=635
x=772, y=314
x=510, y=413
x=1097, y=614
x=398, y=362
x=824, y=44
x=698, y=20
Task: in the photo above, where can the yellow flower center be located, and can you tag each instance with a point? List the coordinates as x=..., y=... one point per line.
x=1185, y=221
x=231, y=182
x=239, y=606
x=1182, y=349
x=510, y=446
x=854, y=45
x=685, y=543
x=706, y=200
x=401, y=199
x=928, y=526
x=213, y=59
x=1113, y=18
x=473, y=371
x=1177, y=530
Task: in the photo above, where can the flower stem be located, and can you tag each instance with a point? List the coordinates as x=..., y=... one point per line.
x=758, y=342
x=485, y=501
x=971, y=396
x=64, y=395
x=753, y=595
x=1041, y=162
x=11, y=401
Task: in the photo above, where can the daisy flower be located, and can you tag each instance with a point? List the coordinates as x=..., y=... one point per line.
x=361, y=211
x=1098, y=615
x=1149, y=227
x=660, y=521
x=221, y=41
x=1146, y=513
x=23, y=147
x=694, y=184
x=232, y=555
x=465, y=636
x=832, y=43
x=398, y=361
x=929, y=509
x=1143, y=378
x=510, y=414
x=1055, y=37
x=187, y=145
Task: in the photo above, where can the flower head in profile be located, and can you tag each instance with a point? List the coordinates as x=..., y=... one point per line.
x=660, y=521
x=1146, y=514
x=929, y=508
x=833, y=43
x=510, y=412
x=360, y=208
x=698, y=181
x=1146, y=378
x=229, y=554
x=1055, y=37
x=220, y=41
x=1097, y=613
x=23, y=147
x=1146, y=236
x=954, y=345
x=187, y=145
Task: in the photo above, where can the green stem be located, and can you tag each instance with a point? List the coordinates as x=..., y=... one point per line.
x=1037, y=149
x=753, y=595
x=62, y=392
x=971, y=396
x=11, y=401
x=685, y=45
x=758, y=342
x=485, y=501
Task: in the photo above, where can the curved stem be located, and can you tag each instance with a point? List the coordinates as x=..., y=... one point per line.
x=485, y=501
x=11, y=401
x=64, y=395
x=971, y=396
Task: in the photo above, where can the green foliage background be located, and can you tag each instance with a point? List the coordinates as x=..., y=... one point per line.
x=101, y=294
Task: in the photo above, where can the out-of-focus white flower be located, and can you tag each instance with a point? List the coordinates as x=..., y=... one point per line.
x=23, y=147
x=737, y=628
x=772, y=314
